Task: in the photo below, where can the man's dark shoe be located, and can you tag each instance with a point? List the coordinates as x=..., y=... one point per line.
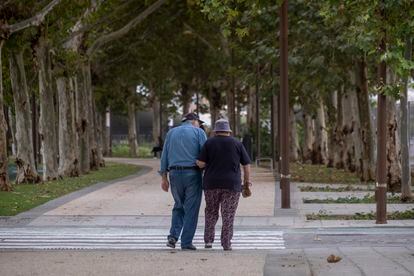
x=227, y=248
x=171, y=242
x=188, y=248
x=208, y=245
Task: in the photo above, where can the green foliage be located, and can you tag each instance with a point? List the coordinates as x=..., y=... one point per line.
x=67, y=63
x=145, y=151
x=206, y=43
x=327, y=188
x=28, y=196
x=321, y=174
x=122, y=150
x=368, y=198
x=397, y=215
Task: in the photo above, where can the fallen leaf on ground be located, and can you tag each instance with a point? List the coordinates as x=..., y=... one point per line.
x=333, y=259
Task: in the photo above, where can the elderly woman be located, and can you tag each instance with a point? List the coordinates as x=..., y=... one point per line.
x=221, y=157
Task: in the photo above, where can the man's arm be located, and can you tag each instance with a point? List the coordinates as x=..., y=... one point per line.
x=202, y=138
x=165, y=184
x=202, y=157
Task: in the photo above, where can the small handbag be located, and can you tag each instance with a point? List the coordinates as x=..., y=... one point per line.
x=246, y=192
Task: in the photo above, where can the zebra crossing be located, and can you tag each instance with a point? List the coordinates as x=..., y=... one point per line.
x=125, y=239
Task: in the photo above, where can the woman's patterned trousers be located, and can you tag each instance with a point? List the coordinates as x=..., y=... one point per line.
x=227, y=201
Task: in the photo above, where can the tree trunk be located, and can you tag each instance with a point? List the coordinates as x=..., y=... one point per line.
x=4, y=177
x=332, y=112
x=294, y=138
x=309, y=137
x=68, y=143
x=274, y=129
x=351, y=131
x=367, y=166
x=251, y=110
x=215, y=104
x=185, y=98
x=35, y=128
x=338, y=140
x=231, y=108
x=47, y=120
x=10, y=133
x=26, y=170
x=238, y=118
x=90, y=115
x=393, y=148
x=132, y=126
x=99, y=135
x=82, y=122
x=106, y=121
x=13, y=131
x=320, y=144
x=155, y=119
x=405, y=156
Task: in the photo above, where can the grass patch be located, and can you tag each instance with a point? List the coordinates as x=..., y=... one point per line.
x=348, y=188
x=11, y=160
x=352, y=199
x=321, y=174
x=122, y=150
x=27, y=196
x=409, y=214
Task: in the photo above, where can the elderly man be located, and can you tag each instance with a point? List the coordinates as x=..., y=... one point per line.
x=181, y=149
x=222, y=156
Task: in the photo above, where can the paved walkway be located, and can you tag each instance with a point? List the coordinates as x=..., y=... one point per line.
x=138, y=201
x=364, y=261
x=119, y=228
x=142, y=196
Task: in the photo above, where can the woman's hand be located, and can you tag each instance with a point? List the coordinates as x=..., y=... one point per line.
x=247, y=182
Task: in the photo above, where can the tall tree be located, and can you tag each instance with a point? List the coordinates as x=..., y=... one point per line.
x=405, y=157
x=26, y=170
x=48, y=114
x=4, y=178
x=132, y=124
x=6, y=31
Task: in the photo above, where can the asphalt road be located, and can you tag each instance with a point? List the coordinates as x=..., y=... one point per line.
x=363, y=251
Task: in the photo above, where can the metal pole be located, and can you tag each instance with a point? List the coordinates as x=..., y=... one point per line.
x=273, y=117
x=279, y=169
x=284, y=104
x=232, y=100
x=381, y=185
x=258, y=153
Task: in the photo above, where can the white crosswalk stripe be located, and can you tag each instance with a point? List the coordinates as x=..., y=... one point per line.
x=130, y=239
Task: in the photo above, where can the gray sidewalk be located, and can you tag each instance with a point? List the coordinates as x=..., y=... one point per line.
x=366, y=261
x=138, y=201
x=377, y=261
x=119, y=228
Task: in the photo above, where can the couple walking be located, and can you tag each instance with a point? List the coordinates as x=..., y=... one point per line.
x=186, y=152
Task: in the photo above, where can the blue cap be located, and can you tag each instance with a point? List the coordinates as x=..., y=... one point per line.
x=191, y=117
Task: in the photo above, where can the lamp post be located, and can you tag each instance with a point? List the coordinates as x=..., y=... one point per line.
x=284, y=106
x=381, y=185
